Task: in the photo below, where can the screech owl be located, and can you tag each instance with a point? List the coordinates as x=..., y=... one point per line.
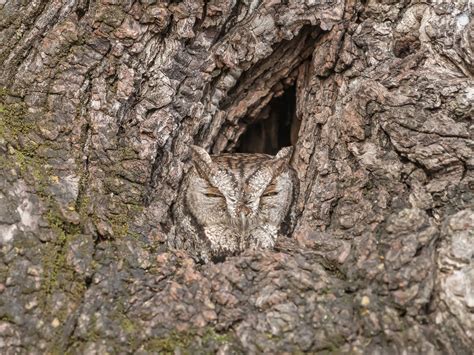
x=232, y=202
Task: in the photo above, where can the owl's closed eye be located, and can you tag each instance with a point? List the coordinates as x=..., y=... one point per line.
x=213, y=192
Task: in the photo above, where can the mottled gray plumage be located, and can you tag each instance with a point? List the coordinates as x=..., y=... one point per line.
x=232, y=202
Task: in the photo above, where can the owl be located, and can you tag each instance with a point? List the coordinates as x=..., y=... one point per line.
x=232, y=202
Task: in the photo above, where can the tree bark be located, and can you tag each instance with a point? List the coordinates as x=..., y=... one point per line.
x=99, y=103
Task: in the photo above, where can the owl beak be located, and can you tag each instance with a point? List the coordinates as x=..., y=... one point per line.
x=244, y=221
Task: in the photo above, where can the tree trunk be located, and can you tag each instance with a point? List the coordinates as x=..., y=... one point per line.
x=99, y=104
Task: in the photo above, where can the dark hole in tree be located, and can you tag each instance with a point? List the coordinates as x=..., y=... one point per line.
x=275, y=128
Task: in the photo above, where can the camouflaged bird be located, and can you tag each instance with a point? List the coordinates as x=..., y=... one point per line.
x=232, y=202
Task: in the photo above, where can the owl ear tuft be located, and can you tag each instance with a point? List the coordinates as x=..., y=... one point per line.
x=281, y=160
x=284, y=153
x=200, y=155
x=202, y=161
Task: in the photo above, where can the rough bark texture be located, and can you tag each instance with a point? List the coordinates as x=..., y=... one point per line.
x=98, y=105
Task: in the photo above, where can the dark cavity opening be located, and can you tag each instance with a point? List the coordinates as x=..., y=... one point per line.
x=275, y=128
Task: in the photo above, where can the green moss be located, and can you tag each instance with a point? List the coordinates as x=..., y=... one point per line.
x=54, y=256
x=185, y=341
x=17, y=131
x=60, y=275
x=121, y=217
x=120, y=317
x=13, y=121
x=127, y=325
x=82, y=206
x=170, y=343
x=119, y=224
x=6, y=163
x=14, y=129
x=54, y=261
x=35, y=170
x=220, y=338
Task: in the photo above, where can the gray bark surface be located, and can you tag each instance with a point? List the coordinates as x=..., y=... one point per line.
x=99, y=102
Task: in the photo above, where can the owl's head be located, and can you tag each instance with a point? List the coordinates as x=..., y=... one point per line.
x=240, y=191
